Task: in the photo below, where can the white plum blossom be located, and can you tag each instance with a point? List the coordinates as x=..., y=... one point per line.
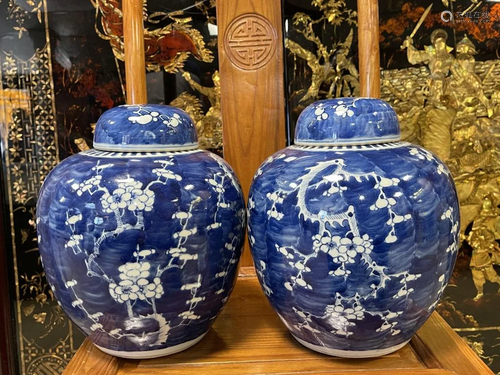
x=125, y=291
x=334, y=189
x=154, y=289
x=325, y=243
x=353, y=313
x=174, y=121
x=74, y=240
x=383, y=202
x=218, y=186
x=320, y=114
x=338, y=317
x=95, y=326
x=275, y=214
x=128, y=195
x=383, y=182
x=448, y=214
x=144, y=118
x=343, y=111
x=70, y=283
x=87, y=185
x=165, y=173
x=275, y=197
x=422, y=154
x=182, y=215
x=119, y=199
x=189, y=315
x=134, y=271
x=73, y=219
x=142, y=200
x=347, y=249
x=135, y=284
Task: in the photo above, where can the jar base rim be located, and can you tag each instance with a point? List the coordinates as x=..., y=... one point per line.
x=149, y=354
x=351, y=353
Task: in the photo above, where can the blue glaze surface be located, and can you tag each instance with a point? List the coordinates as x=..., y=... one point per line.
x=145, y=128
x=141, y=250
x=353, y=245
x=347, y=121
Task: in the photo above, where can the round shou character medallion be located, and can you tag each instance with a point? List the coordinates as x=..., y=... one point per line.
x=250, y=41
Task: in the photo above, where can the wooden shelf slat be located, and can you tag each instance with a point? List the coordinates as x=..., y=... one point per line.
x=248, y=339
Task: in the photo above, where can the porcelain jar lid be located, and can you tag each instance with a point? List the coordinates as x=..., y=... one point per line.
x=347, y=121
x=145, y=128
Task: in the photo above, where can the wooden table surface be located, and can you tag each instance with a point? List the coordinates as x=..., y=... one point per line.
x=248, y=338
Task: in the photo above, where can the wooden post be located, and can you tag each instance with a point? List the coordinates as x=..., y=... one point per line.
x=135, y=66
x=252, y=85
x=369, y=48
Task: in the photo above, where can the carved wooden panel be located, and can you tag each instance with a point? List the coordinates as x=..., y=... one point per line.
x=252, y=87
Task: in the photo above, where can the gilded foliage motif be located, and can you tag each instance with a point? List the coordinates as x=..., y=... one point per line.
x=167, y=47
x=333, y=72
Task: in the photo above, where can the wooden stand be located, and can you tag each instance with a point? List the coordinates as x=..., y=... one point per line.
x=249, y=339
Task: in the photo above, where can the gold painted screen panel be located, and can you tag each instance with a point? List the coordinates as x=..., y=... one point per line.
x=60, y=69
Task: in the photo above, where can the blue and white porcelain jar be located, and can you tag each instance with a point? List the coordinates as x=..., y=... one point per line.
x=354, y=234
x=140, y=237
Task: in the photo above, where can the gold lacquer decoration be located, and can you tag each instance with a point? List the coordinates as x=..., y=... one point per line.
x=333, y=72
x=166, y=47
x=436, y=136
x=450, y=105
x=29, y=137
x=209, y=125
x=12, y=100
x=485, y=249
x=19, y=13
x=474, y=341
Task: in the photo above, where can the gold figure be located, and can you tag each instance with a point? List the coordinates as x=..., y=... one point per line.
x=412, y=107
x=445, y=106
x=436, y=136
x=485, y=249
x=209, y=126
x=466, y=86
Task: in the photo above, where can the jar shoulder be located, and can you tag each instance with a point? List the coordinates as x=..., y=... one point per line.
x=191, y=170
x=391, y=159
x=195, y=160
